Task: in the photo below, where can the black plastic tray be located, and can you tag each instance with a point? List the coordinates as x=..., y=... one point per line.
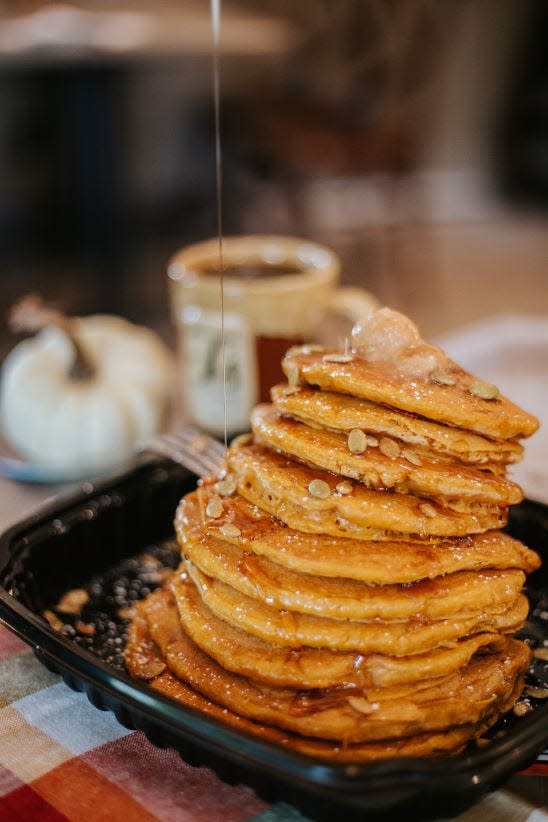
x=80, y=538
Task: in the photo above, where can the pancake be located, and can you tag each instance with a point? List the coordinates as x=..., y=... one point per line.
x=293, y=630
x=341, y=413
x=280, y=487
x=448, y=742
x=140, y=646
x=453, y=405
x=328, y=450
x=344, y=588
x=466, y=697
x=142, y=656
x=251, y=657
x=465, y=593
x=377, y=563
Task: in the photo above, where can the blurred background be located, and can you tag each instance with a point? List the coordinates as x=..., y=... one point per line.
x=409, y=135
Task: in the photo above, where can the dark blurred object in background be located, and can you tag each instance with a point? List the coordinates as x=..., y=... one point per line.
x=524, y=131
x=368, y=125
x=106, y=143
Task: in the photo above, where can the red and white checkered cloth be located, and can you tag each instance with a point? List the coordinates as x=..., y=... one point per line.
x=61, y=759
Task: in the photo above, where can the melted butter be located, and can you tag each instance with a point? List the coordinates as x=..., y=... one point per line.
x=391, y=338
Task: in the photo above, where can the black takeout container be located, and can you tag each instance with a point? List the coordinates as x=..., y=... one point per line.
x=76, y=538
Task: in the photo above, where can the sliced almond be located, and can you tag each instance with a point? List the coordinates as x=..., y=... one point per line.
x=443, y=378
x=84, y=628
x=293, y=376
x=537, y=693
x=226, y=487
x=126, y=613
x=372, y=441
x=73, y=601
x=53, y=620
x=484, y=390
x=389, y=447
x=541, y=653
x=320, y=489
x=337, y=358
x=522, y=708
x=344, y=488
x=151, y=669
x=427, y=509
x=357, y=441
x=214, y=509
x=360, y=704
x=231, y=531
x=411, y=457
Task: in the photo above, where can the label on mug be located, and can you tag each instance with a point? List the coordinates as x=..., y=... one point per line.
x=203, y=364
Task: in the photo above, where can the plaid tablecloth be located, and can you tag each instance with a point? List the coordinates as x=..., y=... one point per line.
x=61, y=758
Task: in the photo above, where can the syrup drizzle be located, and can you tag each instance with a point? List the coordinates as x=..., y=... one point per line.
x=216, y=31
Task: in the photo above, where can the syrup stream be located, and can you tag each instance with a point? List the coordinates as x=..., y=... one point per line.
x=216, y=31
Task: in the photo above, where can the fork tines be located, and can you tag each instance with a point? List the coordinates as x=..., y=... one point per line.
x=190, y=447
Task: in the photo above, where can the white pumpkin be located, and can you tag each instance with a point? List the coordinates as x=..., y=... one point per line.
x=83, y=425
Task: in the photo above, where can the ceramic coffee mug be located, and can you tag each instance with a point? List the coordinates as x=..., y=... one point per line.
x=278, y=292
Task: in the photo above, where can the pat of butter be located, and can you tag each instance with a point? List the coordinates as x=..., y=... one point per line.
x=388, y=337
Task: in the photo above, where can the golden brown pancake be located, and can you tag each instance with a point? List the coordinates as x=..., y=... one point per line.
x=464, y=593
x=140, y=647
x=328, y=450
x=298, y=668
x=293, y=630
x=451, y=741
x=453, y=405
x=281, y=487
x=466, y=697
x=343, y=590
x=378, y=563
x=341, y=413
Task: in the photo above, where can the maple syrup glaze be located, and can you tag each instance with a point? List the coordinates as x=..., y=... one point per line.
x=311, y=702
x=377, y=563
x=455, y=485
x=468, y=696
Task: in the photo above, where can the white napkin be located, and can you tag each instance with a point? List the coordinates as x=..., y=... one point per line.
x=512, y=352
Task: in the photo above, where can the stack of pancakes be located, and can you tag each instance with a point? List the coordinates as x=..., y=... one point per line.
x=344, y=588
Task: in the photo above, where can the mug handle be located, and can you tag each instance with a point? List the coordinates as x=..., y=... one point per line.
x=353, y=303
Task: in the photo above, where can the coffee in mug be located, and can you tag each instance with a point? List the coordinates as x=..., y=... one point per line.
x=278, y=292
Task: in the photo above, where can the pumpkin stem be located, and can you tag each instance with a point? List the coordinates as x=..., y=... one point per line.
x=32, y=314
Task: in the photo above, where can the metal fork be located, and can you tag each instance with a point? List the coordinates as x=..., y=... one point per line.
x=190, y=447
